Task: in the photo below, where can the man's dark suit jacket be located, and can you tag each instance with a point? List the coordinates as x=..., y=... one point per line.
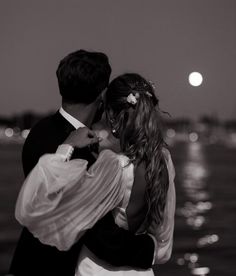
x=109, y=242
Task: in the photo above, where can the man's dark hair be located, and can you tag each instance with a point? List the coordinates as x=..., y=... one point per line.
x=82, y=76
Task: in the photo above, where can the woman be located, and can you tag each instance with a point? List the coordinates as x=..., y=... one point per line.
x=60, y=200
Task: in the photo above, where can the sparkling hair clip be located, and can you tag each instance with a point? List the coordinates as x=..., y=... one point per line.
x=132, y=99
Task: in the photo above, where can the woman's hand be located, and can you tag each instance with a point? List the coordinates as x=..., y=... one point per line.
x=81, y=137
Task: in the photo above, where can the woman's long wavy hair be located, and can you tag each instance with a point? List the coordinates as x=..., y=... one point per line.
x=139, y=128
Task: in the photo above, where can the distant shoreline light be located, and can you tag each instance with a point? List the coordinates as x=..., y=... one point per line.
x=195, y=78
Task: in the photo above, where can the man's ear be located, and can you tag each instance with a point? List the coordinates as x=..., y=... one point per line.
x=101, y=96
x=103, y=93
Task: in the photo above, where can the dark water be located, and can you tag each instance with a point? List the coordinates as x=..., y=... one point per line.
x=205, y=231
x=11, y=177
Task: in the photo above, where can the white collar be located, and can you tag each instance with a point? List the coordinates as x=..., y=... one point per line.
x=75, y=123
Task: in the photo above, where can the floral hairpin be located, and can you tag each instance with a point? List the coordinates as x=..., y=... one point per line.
x=148, y=94
x=132, y=99
x=152, y=84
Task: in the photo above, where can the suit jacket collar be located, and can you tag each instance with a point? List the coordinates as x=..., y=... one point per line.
x=64, y=124
x=72, y=120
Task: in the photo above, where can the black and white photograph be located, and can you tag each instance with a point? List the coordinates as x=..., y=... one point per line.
x=118, y=138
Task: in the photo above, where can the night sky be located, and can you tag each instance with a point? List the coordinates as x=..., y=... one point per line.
x=163, y=40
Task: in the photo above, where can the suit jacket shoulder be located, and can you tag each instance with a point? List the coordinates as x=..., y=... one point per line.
x=43, y=138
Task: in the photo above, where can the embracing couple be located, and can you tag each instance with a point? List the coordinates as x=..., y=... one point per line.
x=99, y=195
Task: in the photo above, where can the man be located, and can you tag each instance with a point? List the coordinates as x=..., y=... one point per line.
x=82, y=76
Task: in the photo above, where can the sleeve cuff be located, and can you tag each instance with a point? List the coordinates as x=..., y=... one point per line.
x=65, y=151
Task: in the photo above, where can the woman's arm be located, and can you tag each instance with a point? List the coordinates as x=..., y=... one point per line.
x=164, y=233
x=60, y=200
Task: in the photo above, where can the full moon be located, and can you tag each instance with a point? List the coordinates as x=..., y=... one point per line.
x=195, y=78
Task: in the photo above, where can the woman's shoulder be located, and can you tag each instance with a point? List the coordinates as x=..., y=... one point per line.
x=166, y=152
x=169, y=162
x=109, y=155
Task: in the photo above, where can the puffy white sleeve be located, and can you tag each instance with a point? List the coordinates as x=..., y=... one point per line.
x=60, y=200
x=164, y=233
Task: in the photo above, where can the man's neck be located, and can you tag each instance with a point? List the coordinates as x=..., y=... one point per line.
x=83, y=113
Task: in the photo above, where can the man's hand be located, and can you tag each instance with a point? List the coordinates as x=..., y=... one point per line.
x=82, y=137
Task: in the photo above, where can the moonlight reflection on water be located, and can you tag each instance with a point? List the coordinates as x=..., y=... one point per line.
x=194, y=181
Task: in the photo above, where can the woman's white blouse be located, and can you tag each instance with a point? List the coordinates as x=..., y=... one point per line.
x=60, y=200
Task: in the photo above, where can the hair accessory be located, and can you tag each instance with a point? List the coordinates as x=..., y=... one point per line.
x=148, y=94
x=152, y=84
x=132, y=99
